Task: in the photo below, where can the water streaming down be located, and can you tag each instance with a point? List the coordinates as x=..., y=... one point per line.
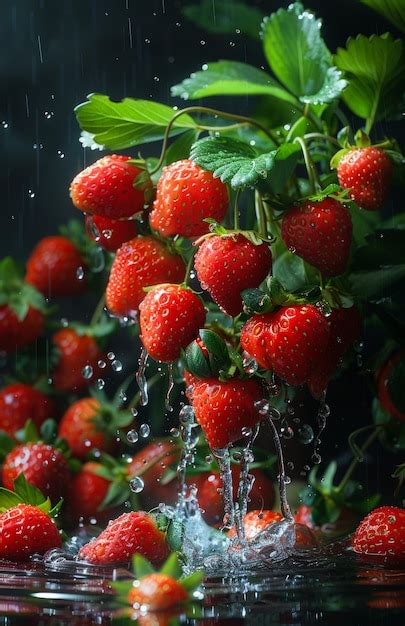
x=223, y=458
x=170, y=386
x=141, y=377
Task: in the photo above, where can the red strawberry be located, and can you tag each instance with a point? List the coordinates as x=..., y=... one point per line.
x=171, y=316
x=79, y=427
x=344, y=329
x=43, y=466
x=86, y=492
x=131, y=533
x=227, y=260
x=157, y=592
x=224, y=408
x=289, y=341
x=55, y=268
x=186, y=195
x=75, y=353
x=108, y=233
x=380, y=536
x=19, y=403
x=304, y=516
x=367, y=173
x=384, y=396
x=256, y=521
x=107, y=188
x=320, y=232
x=139, y=263
x=17, y=333
x=25, y=530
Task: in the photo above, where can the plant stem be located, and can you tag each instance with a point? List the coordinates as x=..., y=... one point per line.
x=371, y=118
x=136, y=398
x=321, y=136
x=309, y=164
x=189, y=268
x=216, y=112
x=236, y=224
x=261, y=216
x=98, y=311
x=371, y=438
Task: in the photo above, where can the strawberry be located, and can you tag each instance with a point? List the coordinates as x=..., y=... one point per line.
x=107, y=188
x=344, y=328
x=55, y=267
x=320, y=232
x=76, y=351
x=16, y=332
x=131, y=533
x=19, y=403
x=86, y=492
x=367, y=173
x=170, y=317
x=139, y=263
x=380, y=536
x=43, y=466
x=186, y=195
x=157, y=592
x=383, y=379
x=26, y=530
x=227, y=260
x=108, y=233
x=289, y=341
x=224, y=408
x=256, y=521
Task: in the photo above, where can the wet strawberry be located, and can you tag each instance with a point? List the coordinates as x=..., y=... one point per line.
x=140, y=263
x=82, y=429
x=55, y=267
x=76, y=352
x=380, y=536
x=25, y=530
x=43, y=466
x=108, y=233
x=170, y=317
x=86, y=492
x=255, y=522
x=186, y=195
x=157, y=592
x=367, y=173
x=227, y=260
x=224, y=408
x=131, y=533
x=19, y=403
x=17, y=333
x=289, y=341
x=383, y=378
x=321, y=233
x=107, y=188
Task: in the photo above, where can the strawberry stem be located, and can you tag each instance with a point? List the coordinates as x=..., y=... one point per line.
x=329, y=138
x=261, y=216
x=359, y=457
x=189, y=267
x=309, y=164
x=98, y=311
x=236, y=224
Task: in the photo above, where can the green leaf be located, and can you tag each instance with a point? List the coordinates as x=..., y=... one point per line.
x=117, y=493
x=240, y=165
x=375, y=69
x=8, y=499
x=214, y=344
x=225, y=17
x=180, y=149
x=292, y=271
x=376, y=283
x=7, y=443
x=396, y=387
x=328, y=477
x=30, y=432
x=171, y=567
x=195, y=361
x=48, y=431
x=229, y=78
x=392, y=10
x=256, y=301
x=298, y=55
x=127, y=123
x=27, y=492
x=141, y=566
x=193, y=581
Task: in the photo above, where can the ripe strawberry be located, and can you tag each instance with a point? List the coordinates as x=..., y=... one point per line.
x=367, y=173
x=344, y=328
x=131, y=533
x=320, y=232
x=304, y=516
x=224, y=408
x=380, y=536
x=19, y=403
x=55, y=266
x=106, y=188
x=256, y=521
x=26, y=530
x=289, y=341
x=82, y=427
x=186, y=195
x=16, y=333
x=227, y=260
x=171, y=316
x=108, y=233
x=43, y=466
x=139, y=263
x=75, y=353
x=86, y=492
x=384, y=396
x=157, y=592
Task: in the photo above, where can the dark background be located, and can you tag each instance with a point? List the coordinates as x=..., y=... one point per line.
x=55, y=53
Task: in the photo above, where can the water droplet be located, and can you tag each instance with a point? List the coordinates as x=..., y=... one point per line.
x=186, y=415
x=136, y=484
x=132, y=436
x=144, y=430
x=100, y=383
x=87, y=372
x=102, y=364
x=246, y=432
x=175, y=432
x=262, y=406
x=110, y=356
x=305, y=434
x=316, y=458
x=117, y=366
x=31, y=194
x=134, y=411
x=80, y=273
x=4, y=124
x=61, y=154
x=64, y=322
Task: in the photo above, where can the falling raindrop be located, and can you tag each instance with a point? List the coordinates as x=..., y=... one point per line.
x=141, y=378
x=175, y=432
x=144, y=430
x=134, y=411
x=87, y=372
x=80, y=273
x=305, y=434
x=136, y=484
x=116, y=365
x=132, y=436
x=111, y=356
x=102, y=364
x=100, y=383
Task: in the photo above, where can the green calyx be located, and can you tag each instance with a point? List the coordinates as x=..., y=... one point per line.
x=211, y=357
x=25, y=493
x=220, y=231
x=258, y=301
x=17, y=294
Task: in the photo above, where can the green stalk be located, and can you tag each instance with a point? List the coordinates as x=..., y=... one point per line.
x=189, y=268
x=98, y=311
x=261, y=216
x=236, y=224
x=370, y=439
x=309, y=164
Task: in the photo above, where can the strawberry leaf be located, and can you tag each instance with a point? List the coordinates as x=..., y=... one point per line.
x=240, y=165
x=127, y=123
x=225, y=18
x=195, y=362
x=7, y=443
x=141, y=566
x=28, y=493
x=256, y=301
x=171, y=567
x=8, y=499
x=118, y=492
x=392, y=10
x=193, y=581
x=48, y=431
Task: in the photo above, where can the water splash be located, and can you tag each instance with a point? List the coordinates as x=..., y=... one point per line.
x=223, y=458
x=141, y=377
x=170, y=386
x=323, y=414
x=285, y=507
